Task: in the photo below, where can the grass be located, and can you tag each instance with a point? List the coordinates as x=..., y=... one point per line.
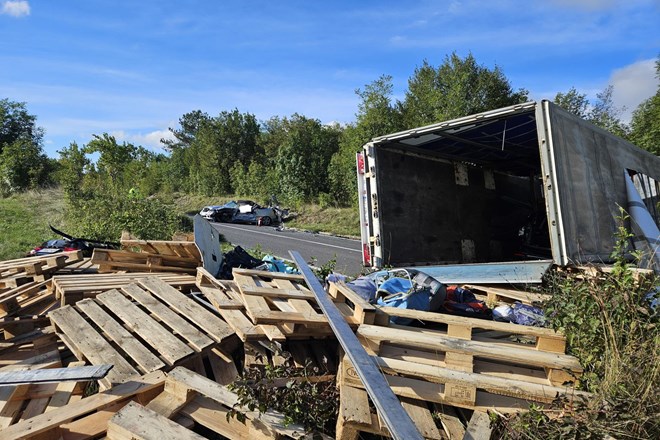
x=24, y=220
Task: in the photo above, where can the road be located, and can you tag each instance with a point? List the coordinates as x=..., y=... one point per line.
x=310, y=245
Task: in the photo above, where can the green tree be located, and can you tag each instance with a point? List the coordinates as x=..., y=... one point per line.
x=377, y=115
x=645, y=123
x=304, y=156
x=573, y=101
x=458, y=87
x=23, y=165
x=71, y=175
x=17, y=124
x=220, y=143
x=113, y=157
x=601, y=112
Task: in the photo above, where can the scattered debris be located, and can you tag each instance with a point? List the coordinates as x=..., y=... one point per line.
x=176, y=336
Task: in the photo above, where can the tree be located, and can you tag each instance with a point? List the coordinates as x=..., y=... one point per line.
x=113, y=157
x=377, y=115
x=304, y=156
x=23, y=165
x=458, y=87
x=573, y=101
x=71, y=175
x=17, y=124
x=645, y=123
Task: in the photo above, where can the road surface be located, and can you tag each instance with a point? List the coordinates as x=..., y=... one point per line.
x=273, y=241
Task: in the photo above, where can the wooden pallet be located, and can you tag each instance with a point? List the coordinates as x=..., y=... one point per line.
x=183, y=249
x=14, y=273
x=31, y=298
x=499, y=295
x=87, y=418
x=112, y=261
x=23, y=402
x=270, y=305
x=431, y=366
x=494, y=332
x=139, y=328
x=72, y=288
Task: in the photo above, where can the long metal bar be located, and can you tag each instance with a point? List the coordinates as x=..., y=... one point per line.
x=389, y=408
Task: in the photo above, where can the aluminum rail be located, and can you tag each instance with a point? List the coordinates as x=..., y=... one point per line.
x=389, y=408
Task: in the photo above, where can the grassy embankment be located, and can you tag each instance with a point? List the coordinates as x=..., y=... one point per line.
x=24, y=220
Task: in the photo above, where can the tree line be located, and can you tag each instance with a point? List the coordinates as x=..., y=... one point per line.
x=295, y=158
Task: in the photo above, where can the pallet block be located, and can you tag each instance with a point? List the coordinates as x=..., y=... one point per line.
x=14, y=273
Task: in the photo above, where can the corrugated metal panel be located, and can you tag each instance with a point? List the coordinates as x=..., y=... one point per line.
x=517, y=272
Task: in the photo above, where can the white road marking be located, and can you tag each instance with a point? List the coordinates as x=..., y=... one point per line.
x=224, y=225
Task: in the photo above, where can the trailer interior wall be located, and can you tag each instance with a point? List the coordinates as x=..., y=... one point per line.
x=465, y=193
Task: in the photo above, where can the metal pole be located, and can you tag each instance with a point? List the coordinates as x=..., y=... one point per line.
x=389, y=408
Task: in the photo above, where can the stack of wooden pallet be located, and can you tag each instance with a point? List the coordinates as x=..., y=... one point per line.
x=176, y=339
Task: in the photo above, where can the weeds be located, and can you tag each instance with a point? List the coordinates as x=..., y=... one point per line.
x=302, y=400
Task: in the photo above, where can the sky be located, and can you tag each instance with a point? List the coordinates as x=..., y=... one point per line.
x=133, y=68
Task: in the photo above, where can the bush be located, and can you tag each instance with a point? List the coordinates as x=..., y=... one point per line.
x=104, y=217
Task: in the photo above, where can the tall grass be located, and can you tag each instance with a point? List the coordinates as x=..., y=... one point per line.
x=24, y=220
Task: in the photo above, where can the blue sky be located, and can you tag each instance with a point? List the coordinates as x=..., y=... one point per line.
x=132, y=68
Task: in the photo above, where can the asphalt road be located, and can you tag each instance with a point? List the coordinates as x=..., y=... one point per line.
x=279, y=242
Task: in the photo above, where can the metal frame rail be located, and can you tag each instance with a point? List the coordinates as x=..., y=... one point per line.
x=389, y=408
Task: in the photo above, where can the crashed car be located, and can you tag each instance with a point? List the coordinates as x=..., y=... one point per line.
x=69, y=244
x=245, y=211
x=209, y=211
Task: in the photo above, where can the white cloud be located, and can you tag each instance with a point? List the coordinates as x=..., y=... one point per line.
x=633, y=84
x=149, y=140
x=17, y=8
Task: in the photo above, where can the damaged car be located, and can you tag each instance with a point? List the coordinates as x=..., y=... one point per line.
x=244, y=211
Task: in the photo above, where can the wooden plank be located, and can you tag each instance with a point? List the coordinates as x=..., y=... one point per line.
x=93, y=346
x=63, y=392
x=140, y=354
x=215, y=327
x=50, y=421
x=271, y=275
x=420, y=414
x=437, y=341
x=195, y=338
x=135, y=422
x=256, y=306
x=171, y=348
x=479, y=427
x=95, y=372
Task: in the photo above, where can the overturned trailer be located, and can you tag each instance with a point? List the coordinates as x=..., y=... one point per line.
x=526, y=182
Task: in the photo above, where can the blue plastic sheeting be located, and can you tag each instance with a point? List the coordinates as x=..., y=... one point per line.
x=489, y=273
